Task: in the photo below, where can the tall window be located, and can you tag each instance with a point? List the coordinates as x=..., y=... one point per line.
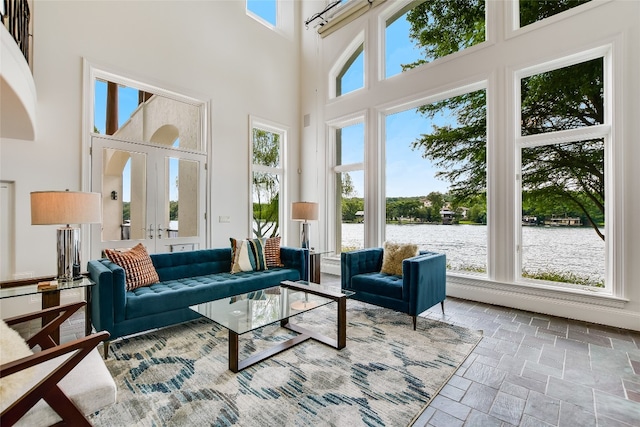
x=264, y=11
x=267, y=148
x=349, y=187
x=435, y=169
x=563, y=141
x=415, y=35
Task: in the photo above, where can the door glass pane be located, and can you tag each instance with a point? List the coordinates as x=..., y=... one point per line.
x=266, y=204
x=132, y=114
x=124, y=190
x=181, y=196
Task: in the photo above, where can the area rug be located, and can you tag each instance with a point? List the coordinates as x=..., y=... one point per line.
x=386, y=375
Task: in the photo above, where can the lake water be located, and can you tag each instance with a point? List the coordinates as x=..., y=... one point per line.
x=576, y=250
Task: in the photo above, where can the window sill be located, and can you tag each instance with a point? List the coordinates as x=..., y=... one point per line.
x=541, y=291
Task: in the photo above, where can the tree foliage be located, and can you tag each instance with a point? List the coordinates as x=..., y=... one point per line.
x=570, y=174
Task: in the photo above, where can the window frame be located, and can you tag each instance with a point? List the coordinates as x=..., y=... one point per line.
x=283, y=131
x=614, y=285
x=334, y=170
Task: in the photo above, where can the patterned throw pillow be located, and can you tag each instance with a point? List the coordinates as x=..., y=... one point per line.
x=241, y=256
x=137, y=264
x=256, y=246
x=394, y=254
x=272, y=252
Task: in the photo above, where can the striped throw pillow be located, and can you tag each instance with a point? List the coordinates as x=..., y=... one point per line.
x=256, y=246
x=137, y=265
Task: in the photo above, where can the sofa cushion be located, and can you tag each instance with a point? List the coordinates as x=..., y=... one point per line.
x=139, y=269
x=379, y=284
x=394, y=254
x=181, y=293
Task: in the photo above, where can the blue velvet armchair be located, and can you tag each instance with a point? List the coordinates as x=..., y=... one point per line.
x=421, y=286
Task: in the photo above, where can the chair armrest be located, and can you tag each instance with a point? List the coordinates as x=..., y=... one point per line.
x=108, y=296
x=424, y=281
x=358, y=262
x=47, y=388
x=293, y=258
x=89, y=342
x=43, y=337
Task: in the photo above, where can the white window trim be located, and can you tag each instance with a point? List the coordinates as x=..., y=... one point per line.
x=513, y=15
x=331, y=127
x=283, y=131
x=614, y=289
x=341, y=61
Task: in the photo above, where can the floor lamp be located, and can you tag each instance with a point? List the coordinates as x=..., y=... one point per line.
x=65, y=208
x=305, y=212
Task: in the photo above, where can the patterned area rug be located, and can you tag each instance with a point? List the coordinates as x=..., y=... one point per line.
x=386, y=375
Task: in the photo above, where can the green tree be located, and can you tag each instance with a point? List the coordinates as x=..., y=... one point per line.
x=561, y=99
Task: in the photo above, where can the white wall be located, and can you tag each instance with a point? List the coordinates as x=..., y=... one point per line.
x=209, y=50
x=598, y=23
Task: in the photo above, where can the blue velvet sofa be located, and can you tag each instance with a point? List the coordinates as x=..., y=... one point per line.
x=186, y=278
x=421, y=286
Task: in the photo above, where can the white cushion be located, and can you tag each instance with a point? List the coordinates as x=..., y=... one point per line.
x=13, y=347
x=89, y=385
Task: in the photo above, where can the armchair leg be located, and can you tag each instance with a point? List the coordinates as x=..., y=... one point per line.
x=442, y=305
x=415, y=318
x=105, y=346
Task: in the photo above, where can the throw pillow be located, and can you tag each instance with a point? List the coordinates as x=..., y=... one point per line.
x=241, y=256
x=394, y=254
x=272, y=252
x=137, y=264
x=257, y=250
x=13, y=347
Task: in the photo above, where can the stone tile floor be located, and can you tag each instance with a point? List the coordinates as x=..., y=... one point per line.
x=529, y=369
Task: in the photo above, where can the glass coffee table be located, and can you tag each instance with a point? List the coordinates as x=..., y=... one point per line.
x=250, y=311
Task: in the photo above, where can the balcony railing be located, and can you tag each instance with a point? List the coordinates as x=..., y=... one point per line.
x=15, y=17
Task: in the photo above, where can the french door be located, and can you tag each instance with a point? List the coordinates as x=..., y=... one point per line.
x=151, y=194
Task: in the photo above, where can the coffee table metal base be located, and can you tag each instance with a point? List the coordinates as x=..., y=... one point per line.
x=236, y=365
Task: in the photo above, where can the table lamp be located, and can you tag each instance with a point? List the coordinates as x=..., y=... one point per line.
x=65, y=208
x=305, y=211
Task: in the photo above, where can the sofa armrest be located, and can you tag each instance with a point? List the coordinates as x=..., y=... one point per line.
x=360, y=261
x=424, y=281
x=108, y=294
x=293, y=258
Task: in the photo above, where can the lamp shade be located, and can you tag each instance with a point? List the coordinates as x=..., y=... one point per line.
x=304, y=211
x=65, y=207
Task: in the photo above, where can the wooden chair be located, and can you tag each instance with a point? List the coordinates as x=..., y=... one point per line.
x=68, y=380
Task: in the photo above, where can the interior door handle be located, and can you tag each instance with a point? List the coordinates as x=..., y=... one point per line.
x=160, y=230
x=150, y=231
